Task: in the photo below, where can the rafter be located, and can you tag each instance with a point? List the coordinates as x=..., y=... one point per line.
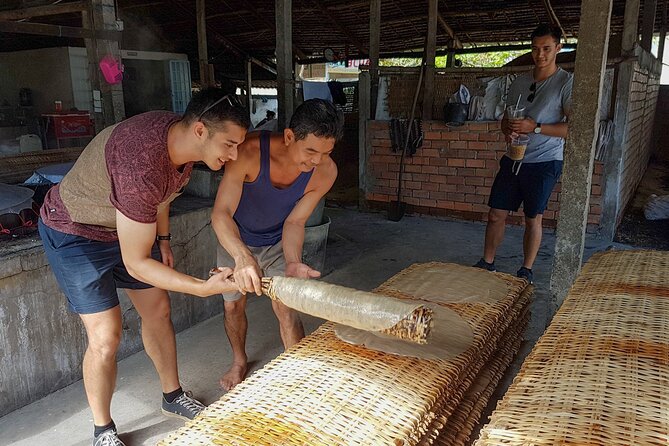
x=225, y=42
x=43, y=29
x=554, y=17
x=344, y=30
x=271, y=25
x=449, y=31
x=40, y=11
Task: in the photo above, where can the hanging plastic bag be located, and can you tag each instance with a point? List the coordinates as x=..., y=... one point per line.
x=112, y=69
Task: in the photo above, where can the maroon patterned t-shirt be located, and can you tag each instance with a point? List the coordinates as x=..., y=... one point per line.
x=127, y=168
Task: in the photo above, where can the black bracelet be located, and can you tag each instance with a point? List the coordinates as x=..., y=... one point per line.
x=164, y=237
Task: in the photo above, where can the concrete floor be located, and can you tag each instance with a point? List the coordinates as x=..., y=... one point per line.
x=363, y=250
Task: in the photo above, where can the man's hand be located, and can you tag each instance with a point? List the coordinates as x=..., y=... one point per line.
x=301, y=271
x=522, y=126
x=219, y=283
x=166, y=253
x=247, y=275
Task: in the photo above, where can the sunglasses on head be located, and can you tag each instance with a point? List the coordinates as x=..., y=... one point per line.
x=232, y=100
x=533, y=89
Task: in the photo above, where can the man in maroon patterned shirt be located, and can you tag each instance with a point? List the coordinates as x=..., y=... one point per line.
x=106, y=226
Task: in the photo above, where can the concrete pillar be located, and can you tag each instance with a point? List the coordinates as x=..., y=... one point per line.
x=630, y=27
x=648, y=24
x=580, y=147
x=374, y=49
x=284, y=61
x=364, y=106
x=102, y=16
x=430, y=54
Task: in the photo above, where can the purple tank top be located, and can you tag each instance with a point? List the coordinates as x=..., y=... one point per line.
x=263, y=208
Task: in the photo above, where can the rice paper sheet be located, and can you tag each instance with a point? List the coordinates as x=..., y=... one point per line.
x=455, y=284
x=449, y=336
x=343, y=305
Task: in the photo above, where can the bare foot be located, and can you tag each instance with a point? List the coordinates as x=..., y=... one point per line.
x=233, y=376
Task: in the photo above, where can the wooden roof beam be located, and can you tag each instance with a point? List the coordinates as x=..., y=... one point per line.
x=41, y=11
x=225, y=42
x=456, y=41
x=43, y=29
x=298, y=52
x=351, y=37
x=554, y=17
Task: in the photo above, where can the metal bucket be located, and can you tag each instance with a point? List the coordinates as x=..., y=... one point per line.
x=314, y=247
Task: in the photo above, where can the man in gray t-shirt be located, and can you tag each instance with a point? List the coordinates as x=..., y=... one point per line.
x=545, y=93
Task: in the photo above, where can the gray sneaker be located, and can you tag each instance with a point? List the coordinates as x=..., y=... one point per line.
x=108, y=438
x=184, y=406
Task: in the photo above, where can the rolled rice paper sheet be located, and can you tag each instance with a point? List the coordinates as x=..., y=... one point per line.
x=354, y=308
x=449, y=336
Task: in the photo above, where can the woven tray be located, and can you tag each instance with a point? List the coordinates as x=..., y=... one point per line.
x=326, y=392
x=600, y=373
x=464, y=420
x=508, y=330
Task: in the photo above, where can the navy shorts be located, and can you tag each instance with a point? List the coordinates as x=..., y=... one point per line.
x=532, y=186
x=88, y=271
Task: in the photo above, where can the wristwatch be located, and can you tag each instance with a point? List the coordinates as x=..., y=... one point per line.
x=164, y=237
x=537, y=129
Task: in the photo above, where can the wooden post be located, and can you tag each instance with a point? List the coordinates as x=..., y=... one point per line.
x=206, y=78
x=364, y=81
x=648, y=24
x=663, y=33
x=580, y=146
x=284, y=61
x=430, y=54
x=450, y=59
x=103, y=17
x=249, y=86
x=93, y=71
x=374, y=49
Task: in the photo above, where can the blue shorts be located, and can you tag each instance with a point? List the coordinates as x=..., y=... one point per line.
x=532, y=186
x=88, y=271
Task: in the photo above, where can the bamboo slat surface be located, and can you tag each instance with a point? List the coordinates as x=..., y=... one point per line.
x=327, y=392
x=600, y=373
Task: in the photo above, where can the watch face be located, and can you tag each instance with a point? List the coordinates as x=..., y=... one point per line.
x=537, y=129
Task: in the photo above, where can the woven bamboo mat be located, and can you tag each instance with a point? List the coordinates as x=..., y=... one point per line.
x=600, y=373
x=326, y=392
x=508, y=329
x=464, y=420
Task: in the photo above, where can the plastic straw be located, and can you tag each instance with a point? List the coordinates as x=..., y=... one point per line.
x=515, y=110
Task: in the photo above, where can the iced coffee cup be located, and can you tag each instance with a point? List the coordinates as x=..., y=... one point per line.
x=517, y=147
x=515, y=112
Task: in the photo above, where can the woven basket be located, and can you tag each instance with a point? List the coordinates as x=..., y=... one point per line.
x=600, y=373
x=326, y=392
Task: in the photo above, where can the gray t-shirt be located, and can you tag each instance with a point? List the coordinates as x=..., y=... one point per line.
x=552, y=101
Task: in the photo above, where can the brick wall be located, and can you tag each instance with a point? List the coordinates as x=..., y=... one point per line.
x=452, y=173
x=638, y=141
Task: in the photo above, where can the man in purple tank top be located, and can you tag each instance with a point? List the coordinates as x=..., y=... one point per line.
x=263, y=203
x=106, y=226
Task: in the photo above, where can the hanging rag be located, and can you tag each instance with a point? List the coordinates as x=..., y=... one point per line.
x=398, y=133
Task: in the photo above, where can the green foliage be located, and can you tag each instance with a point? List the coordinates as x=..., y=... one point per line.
x=494, y=59
x=400, y=62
